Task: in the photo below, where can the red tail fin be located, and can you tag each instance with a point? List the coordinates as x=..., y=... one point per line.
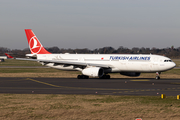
x=34, y=44
x=8, y=55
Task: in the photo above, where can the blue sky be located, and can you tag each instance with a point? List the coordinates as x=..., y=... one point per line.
x=91, y=23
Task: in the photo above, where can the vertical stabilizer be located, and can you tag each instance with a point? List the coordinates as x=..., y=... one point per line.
x=8, y=56
x=34, y=44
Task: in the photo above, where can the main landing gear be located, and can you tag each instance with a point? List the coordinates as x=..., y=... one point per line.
x=105, y=77
x=87, y=77
x=157, y=75
x=82, y=77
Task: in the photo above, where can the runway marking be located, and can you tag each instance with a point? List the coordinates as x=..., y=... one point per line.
x=43, y=82
x=140, y=80
x=70, y=87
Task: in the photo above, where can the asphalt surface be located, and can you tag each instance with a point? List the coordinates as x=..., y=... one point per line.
x=149, y=87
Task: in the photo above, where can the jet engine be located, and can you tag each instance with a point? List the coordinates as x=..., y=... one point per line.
x=131, y=74
x=93, y=71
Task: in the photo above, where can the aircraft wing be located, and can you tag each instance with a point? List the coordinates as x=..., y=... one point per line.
x=63, y=62
x=75, y=63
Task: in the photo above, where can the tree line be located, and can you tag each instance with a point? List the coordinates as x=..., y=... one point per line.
x=169, y=52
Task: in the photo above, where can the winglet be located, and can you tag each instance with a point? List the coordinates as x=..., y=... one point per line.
x=9, y=56
x=34, y=44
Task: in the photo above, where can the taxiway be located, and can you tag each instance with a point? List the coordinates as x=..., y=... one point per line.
x=134, y=86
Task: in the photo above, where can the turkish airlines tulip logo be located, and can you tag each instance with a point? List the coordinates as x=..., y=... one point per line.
x=35, y=45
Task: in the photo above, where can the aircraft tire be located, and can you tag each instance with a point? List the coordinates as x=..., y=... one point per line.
x=82, y=77
x=157, y=78
x=108, y=77
x=105, y=77
x=79, y=77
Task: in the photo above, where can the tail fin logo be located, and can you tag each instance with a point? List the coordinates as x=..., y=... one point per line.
x=35, y=45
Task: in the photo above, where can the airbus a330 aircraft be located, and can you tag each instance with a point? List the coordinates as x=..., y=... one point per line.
x=98, y=65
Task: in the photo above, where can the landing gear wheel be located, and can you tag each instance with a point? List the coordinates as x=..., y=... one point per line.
x=79, y=77
x=157, y=78
x=82, y=77
x=157, y=75
x=105, y=77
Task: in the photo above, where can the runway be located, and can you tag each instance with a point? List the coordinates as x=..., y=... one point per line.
x=134, y=86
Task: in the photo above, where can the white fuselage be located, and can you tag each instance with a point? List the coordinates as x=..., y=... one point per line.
x=117, y=62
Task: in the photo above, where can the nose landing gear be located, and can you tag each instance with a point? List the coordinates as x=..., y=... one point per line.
x=157, y=75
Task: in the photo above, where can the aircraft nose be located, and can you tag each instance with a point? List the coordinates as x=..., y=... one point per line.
x=173, y=65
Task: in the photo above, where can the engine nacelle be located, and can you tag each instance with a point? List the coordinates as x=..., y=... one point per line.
x=131, y=74
x=93, y=71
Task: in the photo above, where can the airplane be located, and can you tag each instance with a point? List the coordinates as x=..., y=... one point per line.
x=97, y=65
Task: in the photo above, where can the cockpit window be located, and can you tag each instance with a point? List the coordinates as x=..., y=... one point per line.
x=167, y=60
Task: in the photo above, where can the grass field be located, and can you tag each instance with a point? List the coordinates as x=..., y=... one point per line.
x=87, y=107
x=82, y=107
x=13, y=62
